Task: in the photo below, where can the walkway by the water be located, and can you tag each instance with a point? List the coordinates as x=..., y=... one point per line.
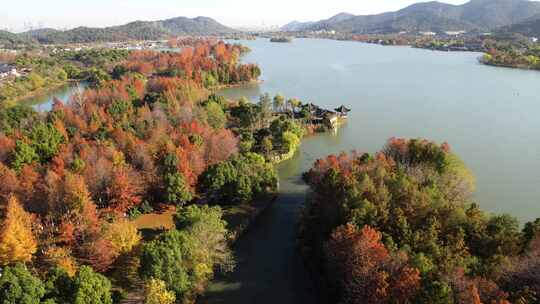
x=269, y=268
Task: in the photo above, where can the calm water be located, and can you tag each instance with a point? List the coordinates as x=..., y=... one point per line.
x=44, y=102
x=491, y=117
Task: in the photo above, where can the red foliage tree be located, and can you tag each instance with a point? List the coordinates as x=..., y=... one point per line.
x=365, y=271
x=124, y=191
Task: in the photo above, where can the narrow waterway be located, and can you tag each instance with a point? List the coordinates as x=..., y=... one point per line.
x=269, y=269
x=488, y=115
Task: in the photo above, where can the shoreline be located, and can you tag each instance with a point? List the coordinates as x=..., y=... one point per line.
x=507, y=66
x=449, y=50
x=235, y=85
x=39, y=92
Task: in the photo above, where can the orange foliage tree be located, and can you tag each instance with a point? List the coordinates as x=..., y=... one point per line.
x=364, y=271
x=17, y=241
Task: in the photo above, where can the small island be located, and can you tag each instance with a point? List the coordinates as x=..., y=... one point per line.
x=281, y=39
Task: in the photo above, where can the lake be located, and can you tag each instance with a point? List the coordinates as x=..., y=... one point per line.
x=489, y=115
x=44, y=102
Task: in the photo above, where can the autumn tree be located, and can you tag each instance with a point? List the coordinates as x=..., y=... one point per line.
x=279, y=102
x=17, y=241
x=10, y=182
x=411, y=193
x=361, y=267
x=125, y=190
x=123, y=235
x=155, y=292
x=60, y=257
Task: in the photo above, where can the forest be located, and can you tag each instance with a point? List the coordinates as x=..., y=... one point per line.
x=147, y=138
x=513, y=56
x=402, y=226
x=203, y=60
x=44, y=71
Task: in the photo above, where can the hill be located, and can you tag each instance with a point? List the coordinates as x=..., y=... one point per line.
x=295, y=26
x=11, y=40
x=138, y=30
x=529, y=27
x=479, y=15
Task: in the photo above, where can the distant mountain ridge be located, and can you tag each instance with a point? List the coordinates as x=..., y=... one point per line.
x=529, y=27
x=295, y=26
x=476, y=15
x=137, y=30
x=11, y=40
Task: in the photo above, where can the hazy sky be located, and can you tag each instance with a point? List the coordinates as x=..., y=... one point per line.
x=71, y=13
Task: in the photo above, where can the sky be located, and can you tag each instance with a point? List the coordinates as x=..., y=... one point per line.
x=17, y=15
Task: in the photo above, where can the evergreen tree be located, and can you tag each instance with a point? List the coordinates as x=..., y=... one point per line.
x=19, y=286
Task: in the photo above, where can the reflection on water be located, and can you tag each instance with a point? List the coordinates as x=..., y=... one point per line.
x=251, y=92
x=269, y=269
x=489, y=116
x=44, y=102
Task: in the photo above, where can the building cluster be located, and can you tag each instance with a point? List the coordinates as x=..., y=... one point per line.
x=326, y=117
x=132, y=45
x=8, y=70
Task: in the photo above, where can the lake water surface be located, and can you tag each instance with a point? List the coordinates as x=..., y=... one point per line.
x=45, y=101
x=489, y=115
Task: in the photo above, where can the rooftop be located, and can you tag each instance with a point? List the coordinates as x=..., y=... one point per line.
x=4, y=68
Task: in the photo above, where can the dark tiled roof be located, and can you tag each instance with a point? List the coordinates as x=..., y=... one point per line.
x=342, y=109
x=4, y=68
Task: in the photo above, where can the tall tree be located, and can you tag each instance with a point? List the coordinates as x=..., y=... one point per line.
x=265, y=110
x=279, y=101
x=17, y=241
x=155, y=292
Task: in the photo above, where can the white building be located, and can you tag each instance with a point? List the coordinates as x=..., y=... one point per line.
x=7, y=70
x=455, y=33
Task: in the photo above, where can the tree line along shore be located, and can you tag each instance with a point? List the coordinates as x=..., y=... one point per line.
x=135, y=188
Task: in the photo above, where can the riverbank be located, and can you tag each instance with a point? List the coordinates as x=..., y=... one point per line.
x=269, y=269
x=236, y=85
x=521, y=66
x=37, y=93
x=239, y=219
